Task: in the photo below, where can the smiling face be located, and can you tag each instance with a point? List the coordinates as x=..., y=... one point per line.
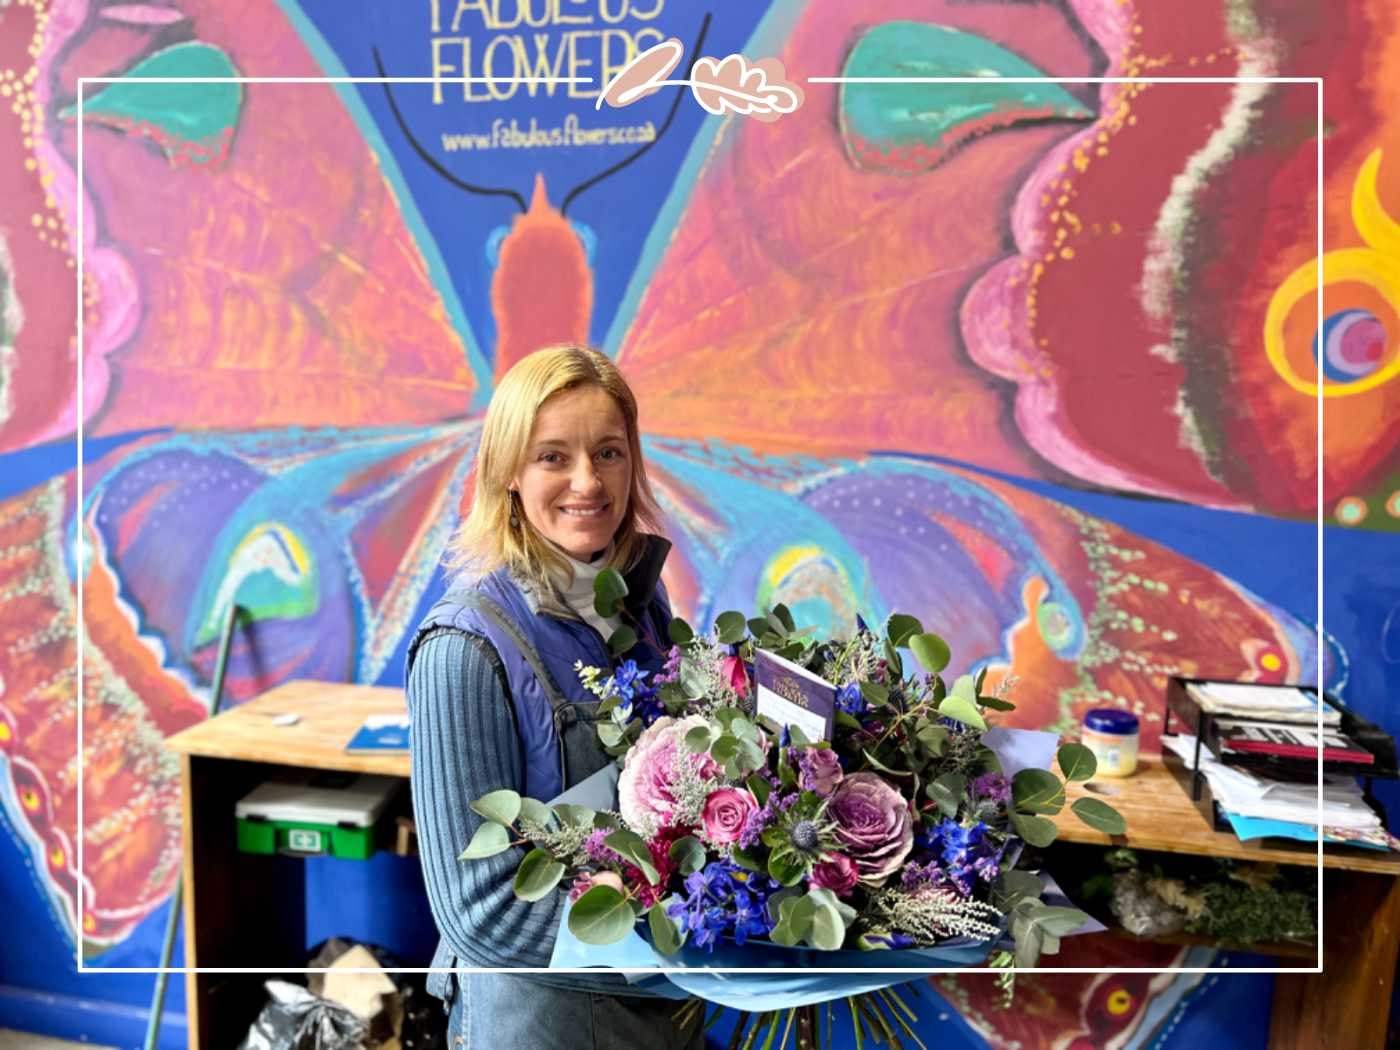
x=574, y=482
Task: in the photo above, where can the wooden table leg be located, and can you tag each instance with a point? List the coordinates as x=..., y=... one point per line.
x=1347, y=1006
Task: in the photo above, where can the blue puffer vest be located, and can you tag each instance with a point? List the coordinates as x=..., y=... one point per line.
x=549, y=703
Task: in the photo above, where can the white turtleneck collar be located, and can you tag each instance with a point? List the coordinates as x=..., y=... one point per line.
x=578, y=592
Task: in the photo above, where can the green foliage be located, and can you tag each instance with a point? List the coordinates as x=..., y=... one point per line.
x=601, y=916
x=609, y=588
x=1100, y=816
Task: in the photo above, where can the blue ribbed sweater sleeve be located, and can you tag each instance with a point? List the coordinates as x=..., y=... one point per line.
x=464, y=744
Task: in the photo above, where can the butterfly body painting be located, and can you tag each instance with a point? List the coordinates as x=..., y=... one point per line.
x=823, y=413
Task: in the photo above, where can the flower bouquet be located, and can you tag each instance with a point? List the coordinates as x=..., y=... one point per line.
x=782, y=799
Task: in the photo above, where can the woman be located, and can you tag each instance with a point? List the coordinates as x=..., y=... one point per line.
x=561, y=492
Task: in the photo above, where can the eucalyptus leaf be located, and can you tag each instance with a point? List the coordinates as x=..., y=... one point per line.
x=1037, y=831
x=960, y=709
x=932, y=738
x=750, y=756
x=1058, y=921
x=537, y=875
x=776, y=626
x=610, y=733
x=875, y=694
x=1077, y=762
x=1029, y=944
x=759, y=627
x=828, y=929
x=688, y=854
x=601, y=916
x=947, y=791
x=664, y=935
x=609, y=588
x=1013, y=887
x=621, y=640
x=899, y=628
x=932, y=651
x=732, y=627
x=679, y=631
x=1037, y=791
x=698, y=739
x=632, y=846
x=501, y=806
x=724, y=749
x=1100, y=816
x=784, y=616
x=784, y=866
x=996, y=703
x=535, y=811
x=490, y=838
x=574, y=816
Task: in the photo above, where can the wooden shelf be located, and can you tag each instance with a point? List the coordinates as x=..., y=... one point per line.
x=1161, y=816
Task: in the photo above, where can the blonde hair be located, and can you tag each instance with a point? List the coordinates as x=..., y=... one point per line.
x=487, y=540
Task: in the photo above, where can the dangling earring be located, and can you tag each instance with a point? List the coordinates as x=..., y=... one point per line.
x=514, y=521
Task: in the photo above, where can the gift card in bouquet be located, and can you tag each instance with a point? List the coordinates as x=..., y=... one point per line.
x=790, y=695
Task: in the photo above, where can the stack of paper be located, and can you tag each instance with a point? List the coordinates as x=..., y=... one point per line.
x=1258, y=806
x=1271, y=703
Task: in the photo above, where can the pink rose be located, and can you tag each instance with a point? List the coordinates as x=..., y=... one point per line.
x=839, y=875
x=646, y=788
x=725, y=813
x=734, y=674
x=873, y=824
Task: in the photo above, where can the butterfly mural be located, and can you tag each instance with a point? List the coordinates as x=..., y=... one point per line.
x=851, y=332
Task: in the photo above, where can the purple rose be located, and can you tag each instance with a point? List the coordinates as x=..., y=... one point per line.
x=839, y=875
x=819, y=770
x=873, y=824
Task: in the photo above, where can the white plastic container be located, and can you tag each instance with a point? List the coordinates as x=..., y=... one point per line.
x=1112, y=735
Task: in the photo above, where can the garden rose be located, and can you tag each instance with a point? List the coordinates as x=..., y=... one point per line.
x=818, y=769
x=645, y=790
x=873, y=823
x=839, y=874
x=725, y=813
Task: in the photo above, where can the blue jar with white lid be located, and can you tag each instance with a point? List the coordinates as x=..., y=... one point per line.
x=1112, y=735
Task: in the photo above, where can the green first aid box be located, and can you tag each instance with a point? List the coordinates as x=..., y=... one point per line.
x=314, y=814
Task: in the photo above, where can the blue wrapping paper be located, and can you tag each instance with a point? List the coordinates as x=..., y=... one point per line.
x=699, y=973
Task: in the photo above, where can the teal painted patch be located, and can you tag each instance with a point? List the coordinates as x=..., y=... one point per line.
x=190, y=121
x=913, y=127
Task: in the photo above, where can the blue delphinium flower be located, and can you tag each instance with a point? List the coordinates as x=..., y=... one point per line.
x=896, y=940
x=850, y=700
x=958, y=840
x=626, y=679
x=723, y=899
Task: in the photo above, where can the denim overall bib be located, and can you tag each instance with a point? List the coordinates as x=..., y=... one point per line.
x=537, y=643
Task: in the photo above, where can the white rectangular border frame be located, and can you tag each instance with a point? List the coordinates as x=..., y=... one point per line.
x=912, y=974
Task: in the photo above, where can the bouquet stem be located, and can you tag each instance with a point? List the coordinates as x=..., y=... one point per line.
x=881, y=1018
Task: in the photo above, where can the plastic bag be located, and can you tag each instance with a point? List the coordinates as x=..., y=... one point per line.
x=294, y=1019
